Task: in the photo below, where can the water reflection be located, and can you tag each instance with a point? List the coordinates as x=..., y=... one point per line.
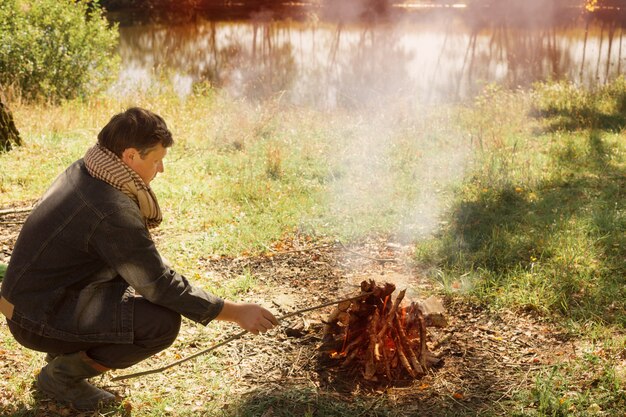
x=327, y=64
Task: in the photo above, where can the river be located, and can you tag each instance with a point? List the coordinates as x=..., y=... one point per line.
x=412, y=54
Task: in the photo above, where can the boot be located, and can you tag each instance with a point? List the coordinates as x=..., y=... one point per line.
x=63, y=378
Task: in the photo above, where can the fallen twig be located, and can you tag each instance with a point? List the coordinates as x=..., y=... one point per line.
x=381, y=260
x=285, y=252
x=15, y=210
x=231, y=338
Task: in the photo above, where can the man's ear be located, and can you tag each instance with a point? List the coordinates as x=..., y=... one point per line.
x=129, y=155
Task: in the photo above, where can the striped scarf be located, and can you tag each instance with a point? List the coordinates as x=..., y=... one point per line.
x=104, y=165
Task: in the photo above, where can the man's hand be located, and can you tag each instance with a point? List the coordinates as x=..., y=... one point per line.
x=249, y=316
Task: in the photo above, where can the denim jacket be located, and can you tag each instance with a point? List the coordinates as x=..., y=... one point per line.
x=81, y=255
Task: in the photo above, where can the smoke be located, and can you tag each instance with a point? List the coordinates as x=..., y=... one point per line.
x=382, y=69
x=396, y=170
x=398, y=158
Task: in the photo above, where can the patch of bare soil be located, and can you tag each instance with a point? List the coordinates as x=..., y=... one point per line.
x=487, y=356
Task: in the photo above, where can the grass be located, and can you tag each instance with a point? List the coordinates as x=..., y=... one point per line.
x=515, y=200
x=538, y=223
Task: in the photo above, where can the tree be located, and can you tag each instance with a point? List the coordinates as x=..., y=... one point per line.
x=9, y=135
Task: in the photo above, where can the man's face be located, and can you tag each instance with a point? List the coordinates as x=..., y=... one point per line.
x=148, y=166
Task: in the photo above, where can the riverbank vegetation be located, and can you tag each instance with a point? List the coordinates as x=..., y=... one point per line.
x=53, y=50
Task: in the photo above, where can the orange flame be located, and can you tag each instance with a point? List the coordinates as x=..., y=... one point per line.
x=385, y=303
x=389, y=343
x=334, y=354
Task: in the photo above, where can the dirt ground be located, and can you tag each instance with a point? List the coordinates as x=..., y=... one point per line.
x=487, y=356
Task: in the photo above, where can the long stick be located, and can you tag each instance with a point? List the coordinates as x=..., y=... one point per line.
x=231, y=338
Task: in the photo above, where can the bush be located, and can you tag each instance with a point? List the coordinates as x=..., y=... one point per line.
x=55, y=49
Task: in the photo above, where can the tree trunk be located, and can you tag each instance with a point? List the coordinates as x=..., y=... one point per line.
x=9, y=135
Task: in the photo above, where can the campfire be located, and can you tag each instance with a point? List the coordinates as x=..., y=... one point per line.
x=379, y=336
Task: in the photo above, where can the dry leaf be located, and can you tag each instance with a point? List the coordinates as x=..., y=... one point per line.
x=128, y=406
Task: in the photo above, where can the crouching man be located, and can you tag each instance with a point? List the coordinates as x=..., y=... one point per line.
x=85, y=282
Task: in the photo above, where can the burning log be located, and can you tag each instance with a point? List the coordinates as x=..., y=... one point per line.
x=386, y=339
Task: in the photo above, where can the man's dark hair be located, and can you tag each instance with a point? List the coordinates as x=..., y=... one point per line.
x=135, y=128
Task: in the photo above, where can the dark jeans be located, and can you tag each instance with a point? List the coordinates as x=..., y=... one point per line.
x=154, y=327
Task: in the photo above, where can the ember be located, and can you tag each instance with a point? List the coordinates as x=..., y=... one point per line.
x=385, y=339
